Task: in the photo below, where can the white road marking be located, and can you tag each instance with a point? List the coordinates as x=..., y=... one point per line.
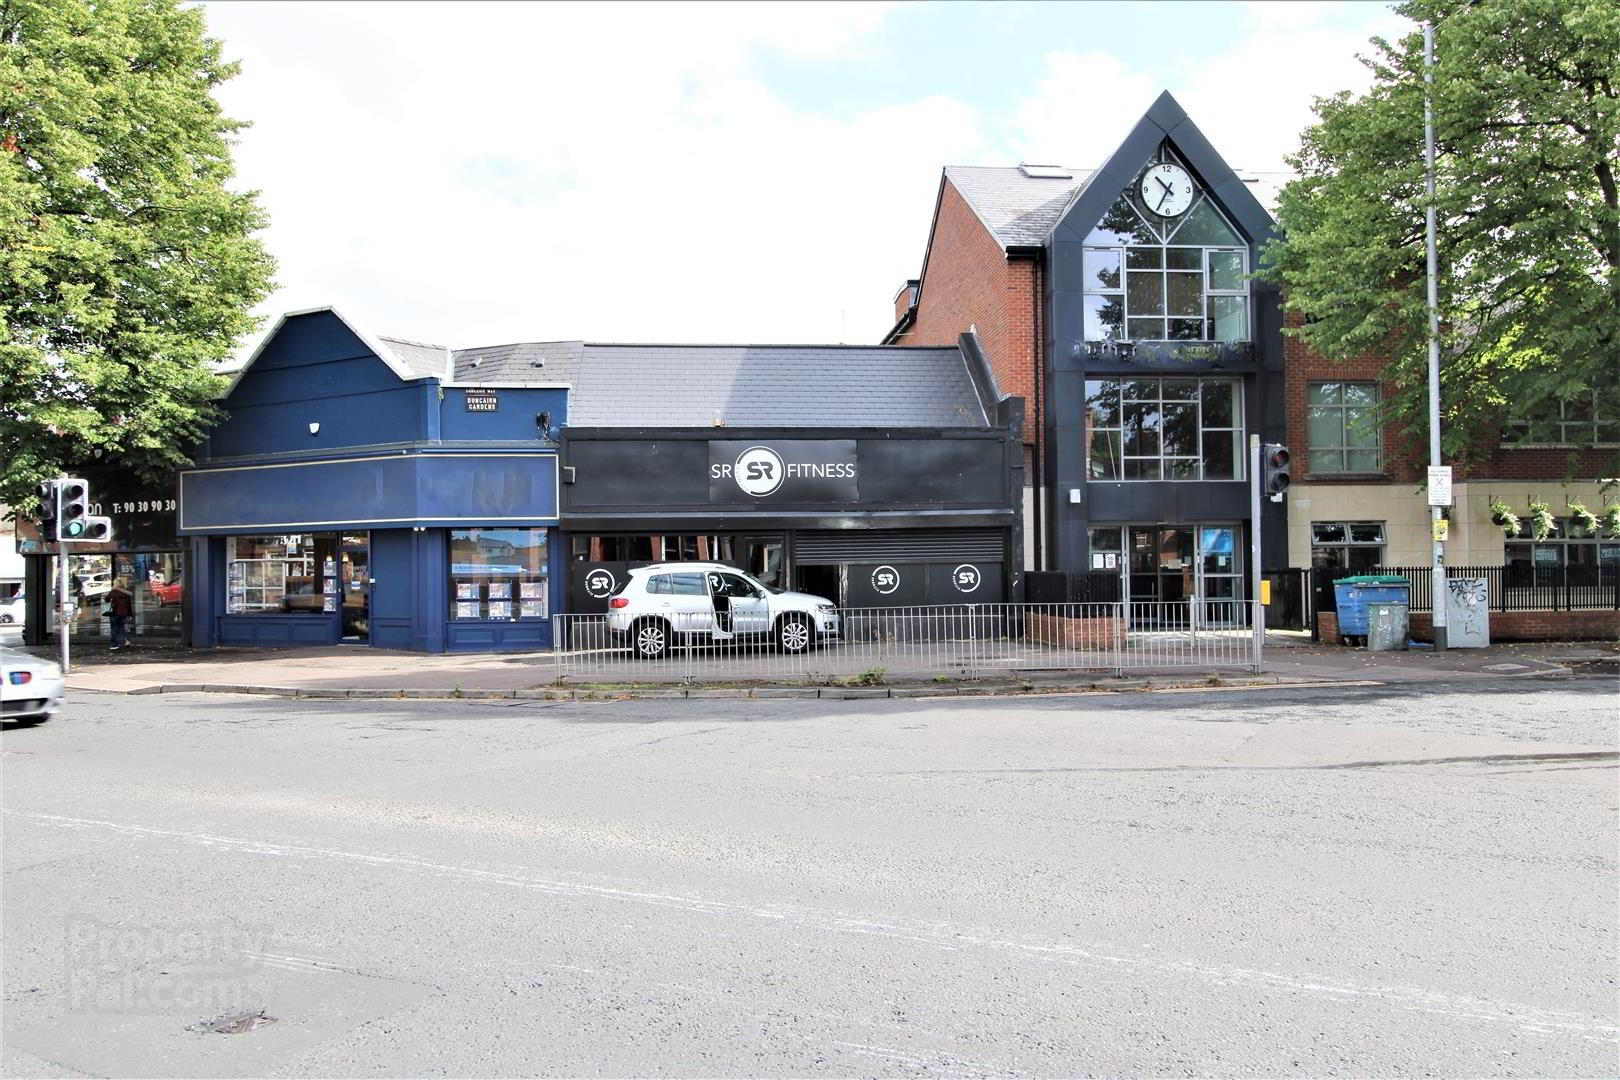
x=936, y=935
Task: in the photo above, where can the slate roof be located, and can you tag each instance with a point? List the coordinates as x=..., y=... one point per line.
x=1021, y=211
x=773, y=386
x=422, y=361
x=530, y=363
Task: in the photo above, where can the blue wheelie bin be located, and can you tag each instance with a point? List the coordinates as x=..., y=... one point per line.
x=1353, y=594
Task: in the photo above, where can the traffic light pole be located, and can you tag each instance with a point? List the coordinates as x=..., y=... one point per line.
x=1256, y=610
x=64, y=607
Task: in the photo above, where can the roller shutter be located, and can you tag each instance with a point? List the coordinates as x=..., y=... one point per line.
x=825, y=547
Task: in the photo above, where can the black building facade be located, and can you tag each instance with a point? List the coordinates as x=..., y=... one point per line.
x=784, y=470
x=1163, y=356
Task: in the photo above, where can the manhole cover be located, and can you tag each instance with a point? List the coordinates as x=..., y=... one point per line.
x=236, y=1025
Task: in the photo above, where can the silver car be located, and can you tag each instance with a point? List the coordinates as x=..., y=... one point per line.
x=713, y=603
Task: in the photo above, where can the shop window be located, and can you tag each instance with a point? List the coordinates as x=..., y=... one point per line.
x=1343, y=427
x=673, y=548
x=498, y=574
x=274, y=575
x=1542, y=561
x=1356, y=545
x=1152, y=278
x=1164, y=429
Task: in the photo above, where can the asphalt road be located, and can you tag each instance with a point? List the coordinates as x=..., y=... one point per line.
x=1365, y=881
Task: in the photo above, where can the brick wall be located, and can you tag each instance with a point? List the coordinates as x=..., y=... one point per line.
x=1405, y=458
x=1507, y=626
x=970, y=281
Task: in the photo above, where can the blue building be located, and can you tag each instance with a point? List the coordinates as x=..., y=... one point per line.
x=370, y=490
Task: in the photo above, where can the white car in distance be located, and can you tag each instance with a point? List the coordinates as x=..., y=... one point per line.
x=31, y=689
x=712, y=603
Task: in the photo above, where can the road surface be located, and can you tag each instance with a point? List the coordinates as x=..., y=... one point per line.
x=1307, y=882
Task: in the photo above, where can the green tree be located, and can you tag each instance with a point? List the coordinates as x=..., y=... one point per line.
x=127, y=266
x=1527, y=128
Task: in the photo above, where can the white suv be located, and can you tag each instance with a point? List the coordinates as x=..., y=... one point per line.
x=712, y=602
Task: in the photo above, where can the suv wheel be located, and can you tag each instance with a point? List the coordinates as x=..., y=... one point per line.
x=793, y=634
x=650, y=639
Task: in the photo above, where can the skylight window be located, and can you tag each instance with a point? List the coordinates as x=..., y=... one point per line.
x=1046, y=172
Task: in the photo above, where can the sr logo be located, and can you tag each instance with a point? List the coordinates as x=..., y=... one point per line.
x=600, y=582
x=885, y=580
x=759, y=471
x=965, y=578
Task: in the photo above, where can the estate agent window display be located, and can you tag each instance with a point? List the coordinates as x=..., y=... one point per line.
x=499, y=574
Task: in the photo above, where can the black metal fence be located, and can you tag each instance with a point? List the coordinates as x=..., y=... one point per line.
x=1510, y=588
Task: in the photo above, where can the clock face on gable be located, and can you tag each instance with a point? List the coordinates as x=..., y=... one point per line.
x=1167, y=190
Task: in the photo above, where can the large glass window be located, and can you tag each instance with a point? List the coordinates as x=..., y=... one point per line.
x=1164, y=429
x=1153, y=278
x=1343, y=427
x=1565, y=546
x=498, y=574
x=1358, y=545
x=1590, y=419
x=277, y=575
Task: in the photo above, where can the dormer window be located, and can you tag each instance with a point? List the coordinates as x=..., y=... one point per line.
x=1175, y=273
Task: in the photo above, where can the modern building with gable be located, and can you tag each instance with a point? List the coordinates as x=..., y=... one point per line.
x=1119, y=301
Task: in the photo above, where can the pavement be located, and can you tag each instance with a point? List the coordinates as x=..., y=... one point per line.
x=364, y=671
x=1413, y=879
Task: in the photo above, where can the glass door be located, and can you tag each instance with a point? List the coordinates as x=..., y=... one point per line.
x=354, y=565
x=1161, y=572
x=1220, y=576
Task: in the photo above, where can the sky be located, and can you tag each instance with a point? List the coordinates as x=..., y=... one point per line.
x=473, y=174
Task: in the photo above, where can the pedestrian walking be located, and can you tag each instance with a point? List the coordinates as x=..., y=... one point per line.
x=120, y=609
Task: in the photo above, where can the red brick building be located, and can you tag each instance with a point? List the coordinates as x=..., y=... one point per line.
x=1014, y=253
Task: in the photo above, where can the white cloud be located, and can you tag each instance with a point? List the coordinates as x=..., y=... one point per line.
x=477, y=173
x=474, y=174
x=1251, y=99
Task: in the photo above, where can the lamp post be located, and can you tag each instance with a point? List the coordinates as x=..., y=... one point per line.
x=1437, y=601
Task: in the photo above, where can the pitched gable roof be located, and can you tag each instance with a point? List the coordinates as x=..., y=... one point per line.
x=1019, y=210
x=410, y=360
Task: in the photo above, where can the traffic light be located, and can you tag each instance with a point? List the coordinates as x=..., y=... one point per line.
x=72, y=508
x=47, y=510
x=1275, y=457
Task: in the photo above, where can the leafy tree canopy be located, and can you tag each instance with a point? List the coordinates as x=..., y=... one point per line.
x=127, y=267
x=1527, y=129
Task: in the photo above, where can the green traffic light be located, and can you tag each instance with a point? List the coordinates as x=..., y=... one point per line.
x=73, y=529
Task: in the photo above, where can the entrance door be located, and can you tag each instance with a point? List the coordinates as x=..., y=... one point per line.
x=1161, y=564
x=354, y=560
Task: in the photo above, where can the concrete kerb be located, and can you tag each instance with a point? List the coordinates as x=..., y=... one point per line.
x=847, y=693
x=606, y=693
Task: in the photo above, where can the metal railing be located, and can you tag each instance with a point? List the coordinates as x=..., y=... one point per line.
x=872, y=644
x=1514, y=587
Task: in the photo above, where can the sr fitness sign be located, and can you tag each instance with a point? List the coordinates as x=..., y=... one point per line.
x=783, y=471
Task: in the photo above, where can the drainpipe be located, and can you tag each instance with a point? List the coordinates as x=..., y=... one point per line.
x=1038, y=481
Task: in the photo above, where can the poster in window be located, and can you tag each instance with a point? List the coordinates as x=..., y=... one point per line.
x=468, y=610
x=500, y=609
x=329, y=604
x=532, y=590
x=330, y=587
x=500, y=590
x=532, y=609
x=1110, y=562
x=466, y=590
x=329, y=567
